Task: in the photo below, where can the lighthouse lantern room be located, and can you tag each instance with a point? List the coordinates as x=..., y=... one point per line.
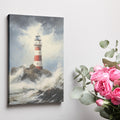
x=38, y=55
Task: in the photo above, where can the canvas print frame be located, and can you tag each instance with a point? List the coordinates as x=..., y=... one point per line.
x=35, y=59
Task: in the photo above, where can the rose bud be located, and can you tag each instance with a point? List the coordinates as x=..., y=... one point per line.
x=101, y=102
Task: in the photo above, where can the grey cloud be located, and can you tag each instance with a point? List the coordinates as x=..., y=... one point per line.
x=48, y=23
x=22, y=21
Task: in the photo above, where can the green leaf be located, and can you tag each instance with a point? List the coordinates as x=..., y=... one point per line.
x=115, y=49
x=84, y=70
x=91, y=69
x=110, y=53
x=118, y=57
x=88, y=83
x=98, y=109
x=104, y=44
x=77, y=92
x=116, y=43
x=110, y=64
x=88, y=76
x=76, y=76
x=84, y=82
x=77, y=70
x=104, y=114
x=80, y=80
x=87, y=98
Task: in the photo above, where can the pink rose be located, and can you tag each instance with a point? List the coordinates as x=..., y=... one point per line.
x=106, y=69
x=99, y=75
x=104, y=87
x=101, y=102
x=98, y=67
x=116, y=82
x=114, y=74
x=115, y=96
x=119, y=65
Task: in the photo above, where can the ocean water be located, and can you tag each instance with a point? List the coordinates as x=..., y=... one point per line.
x=43, y=90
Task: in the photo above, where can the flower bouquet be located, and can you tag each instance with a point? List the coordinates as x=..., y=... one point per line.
x=105, y=83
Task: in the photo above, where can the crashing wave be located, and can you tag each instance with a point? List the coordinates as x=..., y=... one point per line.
x=30, y=85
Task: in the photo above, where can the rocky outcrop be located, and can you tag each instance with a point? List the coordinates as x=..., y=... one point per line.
x=54, y=95
x=47, y=87
x=31, y=73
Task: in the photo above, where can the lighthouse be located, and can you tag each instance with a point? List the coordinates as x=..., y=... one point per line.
x=37, y=52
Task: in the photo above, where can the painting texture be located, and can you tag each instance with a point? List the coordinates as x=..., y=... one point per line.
x=35, y=59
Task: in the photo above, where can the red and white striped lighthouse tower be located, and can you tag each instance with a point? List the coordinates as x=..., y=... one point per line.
x=38, y=55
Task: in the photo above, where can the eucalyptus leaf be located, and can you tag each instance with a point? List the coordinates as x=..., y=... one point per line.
x=76, y=76
x=80, y=80
x=88, y=83
x=77, y=70
x=91, y=69
x=104, y=114
x=115, y=49
x=88, y=76
x=110, y=53
x=110, y=63
x=116, y=43
x=87, y=98
x=84, y=82
x=104, y=44
x=99, y=108
x=118, y=57
x=84, y=70
x=77, y=92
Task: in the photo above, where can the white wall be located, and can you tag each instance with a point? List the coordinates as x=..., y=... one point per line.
x=86, y=23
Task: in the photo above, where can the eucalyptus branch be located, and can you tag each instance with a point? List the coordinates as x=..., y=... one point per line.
x=96, y=96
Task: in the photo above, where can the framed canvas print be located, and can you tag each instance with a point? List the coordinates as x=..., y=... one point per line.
x=35, y=64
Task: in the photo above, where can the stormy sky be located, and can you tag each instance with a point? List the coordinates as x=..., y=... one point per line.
x=22, y=32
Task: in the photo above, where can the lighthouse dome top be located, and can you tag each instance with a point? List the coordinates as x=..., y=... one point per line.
x=37, y=37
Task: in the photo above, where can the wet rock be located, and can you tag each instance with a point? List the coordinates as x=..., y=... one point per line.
x=31, y=73
x=13, y=70
x=53, y=95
